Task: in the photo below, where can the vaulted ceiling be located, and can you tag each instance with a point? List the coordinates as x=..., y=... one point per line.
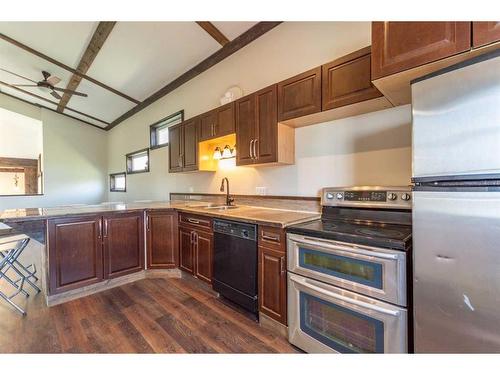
x=122, y=66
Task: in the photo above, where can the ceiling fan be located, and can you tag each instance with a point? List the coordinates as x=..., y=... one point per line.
x=47, y=84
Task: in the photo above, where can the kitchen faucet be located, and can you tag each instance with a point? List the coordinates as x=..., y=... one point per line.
x=229, y=200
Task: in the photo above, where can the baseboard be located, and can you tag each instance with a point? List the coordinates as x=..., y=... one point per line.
x=273, y=325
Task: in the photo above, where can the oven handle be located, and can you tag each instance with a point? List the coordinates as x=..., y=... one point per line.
x=343, y=298
x=354, y=250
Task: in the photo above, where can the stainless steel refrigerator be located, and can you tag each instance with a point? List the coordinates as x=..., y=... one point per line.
x=456, y=208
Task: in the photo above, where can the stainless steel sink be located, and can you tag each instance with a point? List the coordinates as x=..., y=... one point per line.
x=220, y=207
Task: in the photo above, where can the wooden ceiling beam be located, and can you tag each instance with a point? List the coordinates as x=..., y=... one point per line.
x=233, y=46
x=66, y=67
x=214, y=32
x=96, y=42
x=52, y=102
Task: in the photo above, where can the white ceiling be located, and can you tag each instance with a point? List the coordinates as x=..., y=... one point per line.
x=137, y=59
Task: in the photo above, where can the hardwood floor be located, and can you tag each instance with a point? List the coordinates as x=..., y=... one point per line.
x=147, y=316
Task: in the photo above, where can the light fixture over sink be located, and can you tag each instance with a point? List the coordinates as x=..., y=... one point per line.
x=226, y=153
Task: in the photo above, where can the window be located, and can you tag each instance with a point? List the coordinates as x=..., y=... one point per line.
x=159, y=130
x=138, y=161
x=118, y=182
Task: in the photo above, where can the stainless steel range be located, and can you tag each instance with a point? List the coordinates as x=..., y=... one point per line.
x=348, y=272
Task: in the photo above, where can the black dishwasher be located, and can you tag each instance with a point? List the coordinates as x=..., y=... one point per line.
x=235, y=263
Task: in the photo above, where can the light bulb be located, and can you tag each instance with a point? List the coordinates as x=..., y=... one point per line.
x=226, y=153
x=217, y=154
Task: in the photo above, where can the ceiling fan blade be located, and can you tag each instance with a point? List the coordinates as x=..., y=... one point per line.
x=25, y=85
x=55, y=94
x=70, y=92
x=17, y=75
x=53, y=80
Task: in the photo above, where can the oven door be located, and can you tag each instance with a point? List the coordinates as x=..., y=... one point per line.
x=326, y=319
x=375, y=272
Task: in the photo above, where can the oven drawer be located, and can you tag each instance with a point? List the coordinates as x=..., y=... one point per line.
x=326, y=319
x=375, y=272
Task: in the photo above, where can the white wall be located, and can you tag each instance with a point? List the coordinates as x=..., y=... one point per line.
x=21, y=135
x=369, y=149
x=75, y=160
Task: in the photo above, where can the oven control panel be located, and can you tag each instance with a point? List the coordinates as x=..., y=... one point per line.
x=367, y=196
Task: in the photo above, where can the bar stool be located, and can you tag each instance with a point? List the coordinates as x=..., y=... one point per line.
x=9, y=260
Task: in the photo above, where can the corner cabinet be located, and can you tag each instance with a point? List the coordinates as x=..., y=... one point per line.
x=300, y=95
x=161, y=239
x=399, y=46
x=347, y=80
x=272, y=273
x=75, y=252
x=183, y=146
x=259, y=136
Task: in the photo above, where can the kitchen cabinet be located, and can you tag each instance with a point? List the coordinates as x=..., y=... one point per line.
x=217, y=123
x=123, y=239
x=399, y=46
x=300, y=95
x=347, y=80
x=485, y=33
x=161, y=241
x=183, y=146
x=272, y=273
x=196, y=246
x=259, y=137
x=75, y=252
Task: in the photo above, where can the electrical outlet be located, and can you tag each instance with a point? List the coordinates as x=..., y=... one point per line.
x=261, y=190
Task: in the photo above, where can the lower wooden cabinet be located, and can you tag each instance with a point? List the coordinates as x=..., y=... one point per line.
x=196, y=247
x=161, y=241
x=75, y=252
x=485, y=33
x=272, y=283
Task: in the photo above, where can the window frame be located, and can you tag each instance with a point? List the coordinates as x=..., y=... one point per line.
x=157, y=124
x=130, y=154
x=111, y=185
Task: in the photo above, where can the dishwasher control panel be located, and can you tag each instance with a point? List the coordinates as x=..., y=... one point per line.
x=232, y=228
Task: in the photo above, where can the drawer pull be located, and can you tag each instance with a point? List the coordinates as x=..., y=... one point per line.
x=193, y=221
x=270, y=238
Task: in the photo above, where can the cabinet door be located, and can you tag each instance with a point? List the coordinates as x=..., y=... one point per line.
x=203, y=256
x=485, y=33
x=300, y=95
x=207, y=125
x=272, y=284
x=398, y=46
x=225, y=120
x=190, y=145
x=266, y=144
x=348, y=80
x=186, y=261
x=161, y=229
x=175, y=148
x=123, y=235
x=245, y=129
x=75, y=253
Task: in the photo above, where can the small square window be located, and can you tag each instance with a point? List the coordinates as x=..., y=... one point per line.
x=138, y=161
x=159, y=130
x=118, y=182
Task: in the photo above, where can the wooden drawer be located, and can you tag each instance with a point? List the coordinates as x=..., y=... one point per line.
x=272, y=238
x=195, y=221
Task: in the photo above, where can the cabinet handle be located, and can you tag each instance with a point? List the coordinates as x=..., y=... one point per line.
x=270, y=238
x=192, y=237
x=105, y=228
x=193, y=221
x=255, y=149
x=251, y=149
x=147, y=223
x=195, y=238
x=99, y=235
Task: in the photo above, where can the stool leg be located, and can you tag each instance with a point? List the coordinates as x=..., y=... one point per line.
x=26, y=279
x=12, y=282
x=3, y=296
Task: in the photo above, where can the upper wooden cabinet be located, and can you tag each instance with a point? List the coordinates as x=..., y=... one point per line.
x=398, y=46
x=75, y=252
x=123, y=236
x=259, y=137
x=183, y=146
x=348, y=80
x=217, y=123
x=485, y=33
x=300, y=95
x=162, y=243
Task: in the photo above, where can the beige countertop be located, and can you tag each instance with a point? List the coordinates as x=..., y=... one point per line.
x=257, y=215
